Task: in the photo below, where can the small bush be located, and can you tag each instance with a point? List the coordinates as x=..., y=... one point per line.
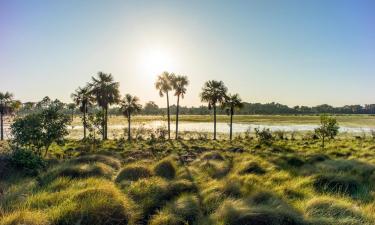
x=27, y=161
x=133, y=173
x=264, y=136
x=215, y=169
x=181, y=186
x=25, y=217
x=348, y=185
x=165, y=169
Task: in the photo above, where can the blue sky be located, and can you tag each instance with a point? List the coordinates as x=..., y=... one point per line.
x=293, y=52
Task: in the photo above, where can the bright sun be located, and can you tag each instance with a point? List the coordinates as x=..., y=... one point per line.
x=155, y=61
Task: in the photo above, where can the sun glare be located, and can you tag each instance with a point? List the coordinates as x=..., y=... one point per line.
x=155, y=61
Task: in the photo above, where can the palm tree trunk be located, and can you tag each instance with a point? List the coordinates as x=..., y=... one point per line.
x=231, y=123
x=177, y=110
x=2, y=126
x=103, y=124
x=214, y=121
x=84, y=122
x=169, y=118
x=106, y=123
x=129, y=133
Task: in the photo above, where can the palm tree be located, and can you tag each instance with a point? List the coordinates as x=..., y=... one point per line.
x=179, y=84
x=231, y=103
x=129, y=105
x=72, y=108
x=83, y=99
x=106, y=93
x=213, y=92
x=164, y=85
x=5, y=101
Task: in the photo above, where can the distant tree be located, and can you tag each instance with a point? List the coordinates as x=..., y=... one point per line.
x=213, y=92
x=39, y=130
x=129, y=105
x=328, y=128
x=72, y=108
x=83, y=99
x=46, y=101
x=163, y=84
x=6, y=100
x=106, y=93
x=151, y=108
x=179, y=84
x=232, y=102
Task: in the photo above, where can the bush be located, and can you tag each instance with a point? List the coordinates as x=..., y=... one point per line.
x=165, y=169
x=25, y=217
x=348, y=185
x=264, y=136
x=133, y=173
x=181, y=186
x=27, y=160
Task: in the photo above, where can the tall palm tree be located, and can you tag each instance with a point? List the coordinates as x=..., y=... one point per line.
x=213, y=92
x=232, y=103
x=106, y=93
x=179, y=84
x=164, y=85
x=83, y=99
x=5, y=102
x=129, y=105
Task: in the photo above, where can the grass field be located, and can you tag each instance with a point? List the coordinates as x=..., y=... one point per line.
x=197, y=182
x=344, y=120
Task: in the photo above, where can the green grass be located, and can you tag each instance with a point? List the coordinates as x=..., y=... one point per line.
x=197, y=181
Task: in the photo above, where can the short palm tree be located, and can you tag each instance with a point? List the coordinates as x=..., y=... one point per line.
x=213, y=92
x=232, y=102
x=5, y=103
x=179, y=84
x=72, y=108
x=83, y=99
x=129, y=105
x=106, y=93
x=164, y=85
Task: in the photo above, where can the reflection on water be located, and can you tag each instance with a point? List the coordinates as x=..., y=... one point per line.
x=237, y=127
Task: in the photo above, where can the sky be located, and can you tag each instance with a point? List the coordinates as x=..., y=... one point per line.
x=293, y=52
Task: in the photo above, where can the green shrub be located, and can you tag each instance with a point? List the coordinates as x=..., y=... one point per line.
x=24, y=217
x=264, y=136
x=133, y=173
x=165, y=169
x=341, y=184
x=27, y=161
